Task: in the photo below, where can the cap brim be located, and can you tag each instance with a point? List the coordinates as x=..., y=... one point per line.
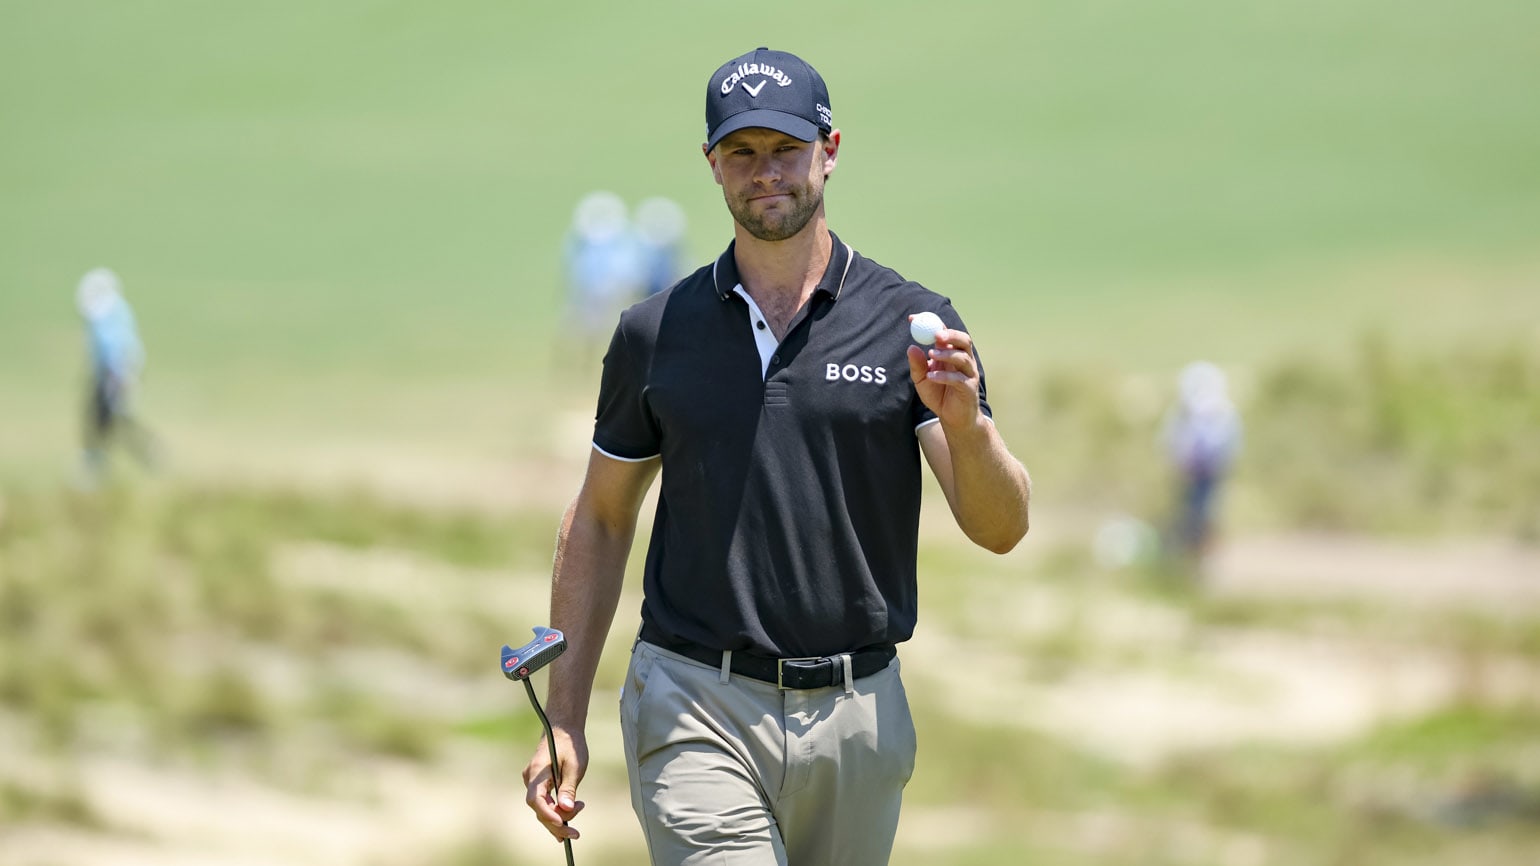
x=767, y=118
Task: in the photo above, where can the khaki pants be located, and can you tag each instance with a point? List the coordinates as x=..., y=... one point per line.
x=731, y=771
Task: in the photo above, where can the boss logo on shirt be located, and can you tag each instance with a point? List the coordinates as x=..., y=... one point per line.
x=854, y=373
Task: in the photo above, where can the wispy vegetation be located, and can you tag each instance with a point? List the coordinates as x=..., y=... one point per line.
x=214, y=618
x=1403, y=440
x=164, y=598
x=1395, y=439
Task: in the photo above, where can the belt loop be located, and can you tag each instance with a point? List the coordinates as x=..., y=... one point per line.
x=727, y=666
x=850, y=676
x=638, y=636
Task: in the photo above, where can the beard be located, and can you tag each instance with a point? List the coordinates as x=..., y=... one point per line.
x=779, y=224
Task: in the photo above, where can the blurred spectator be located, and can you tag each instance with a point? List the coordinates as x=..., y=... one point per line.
x=660, y=225
x=117, y=359
x=1202, y=435
x=604, y=266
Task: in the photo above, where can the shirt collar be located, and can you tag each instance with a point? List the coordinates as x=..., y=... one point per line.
x=724, y=273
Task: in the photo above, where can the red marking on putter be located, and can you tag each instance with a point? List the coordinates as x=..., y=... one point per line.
x=523, y=672
x=512, y=660
x=549, y=638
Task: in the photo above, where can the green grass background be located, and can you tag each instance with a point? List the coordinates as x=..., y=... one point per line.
x=327, y=214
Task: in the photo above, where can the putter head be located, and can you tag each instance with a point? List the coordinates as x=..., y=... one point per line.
x=519, y=663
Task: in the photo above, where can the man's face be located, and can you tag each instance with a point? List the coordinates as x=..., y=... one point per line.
x=773, y=183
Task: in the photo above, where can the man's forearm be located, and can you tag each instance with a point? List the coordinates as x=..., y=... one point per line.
x=586, y=581
x=993, y=490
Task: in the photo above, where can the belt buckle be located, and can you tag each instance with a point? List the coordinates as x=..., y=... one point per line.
x=780, y=670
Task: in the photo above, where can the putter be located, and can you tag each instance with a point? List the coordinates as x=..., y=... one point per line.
x=518, y=664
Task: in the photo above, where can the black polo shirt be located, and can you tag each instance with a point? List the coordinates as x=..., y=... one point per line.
x=789, y=511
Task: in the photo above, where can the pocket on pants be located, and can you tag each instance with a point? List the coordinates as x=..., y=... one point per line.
x=896, y=719
x=638, y=673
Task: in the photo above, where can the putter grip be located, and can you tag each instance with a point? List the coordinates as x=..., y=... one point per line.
x=550, y=744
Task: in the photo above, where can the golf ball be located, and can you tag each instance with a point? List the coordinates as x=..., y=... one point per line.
x=923, y=328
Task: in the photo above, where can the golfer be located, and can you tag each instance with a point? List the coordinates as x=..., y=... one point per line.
x=779, y=394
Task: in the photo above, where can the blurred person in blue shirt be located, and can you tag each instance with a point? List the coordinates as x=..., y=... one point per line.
x=1202, y=436
x=660, y=225
x=605, y=267
x=117, y=359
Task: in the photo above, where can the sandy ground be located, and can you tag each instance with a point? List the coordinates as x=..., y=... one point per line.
x=1489, y=574
x=389, y=814
x=1174, y=688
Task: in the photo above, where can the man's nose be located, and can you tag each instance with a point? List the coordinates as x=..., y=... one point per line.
x=766, y=169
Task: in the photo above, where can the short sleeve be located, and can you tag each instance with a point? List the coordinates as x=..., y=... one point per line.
x=623, y=426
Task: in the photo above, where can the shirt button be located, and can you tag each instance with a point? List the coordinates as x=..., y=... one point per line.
x=760, y=325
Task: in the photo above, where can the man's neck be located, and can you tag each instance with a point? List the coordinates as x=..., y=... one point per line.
x=784, y=273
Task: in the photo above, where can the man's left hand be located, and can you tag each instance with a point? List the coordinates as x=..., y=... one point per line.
x=946, y=376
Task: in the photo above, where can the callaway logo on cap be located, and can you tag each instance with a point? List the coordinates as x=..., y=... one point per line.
x=772, y=89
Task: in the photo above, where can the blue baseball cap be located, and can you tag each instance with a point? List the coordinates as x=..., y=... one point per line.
x=771, y=89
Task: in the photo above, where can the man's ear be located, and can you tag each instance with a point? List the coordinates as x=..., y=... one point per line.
x=830, y=145
x=711, y=158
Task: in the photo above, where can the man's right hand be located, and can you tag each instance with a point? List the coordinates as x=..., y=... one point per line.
x=556, y=808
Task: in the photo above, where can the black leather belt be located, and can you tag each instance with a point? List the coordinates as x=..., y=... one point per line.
x=797, y=673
